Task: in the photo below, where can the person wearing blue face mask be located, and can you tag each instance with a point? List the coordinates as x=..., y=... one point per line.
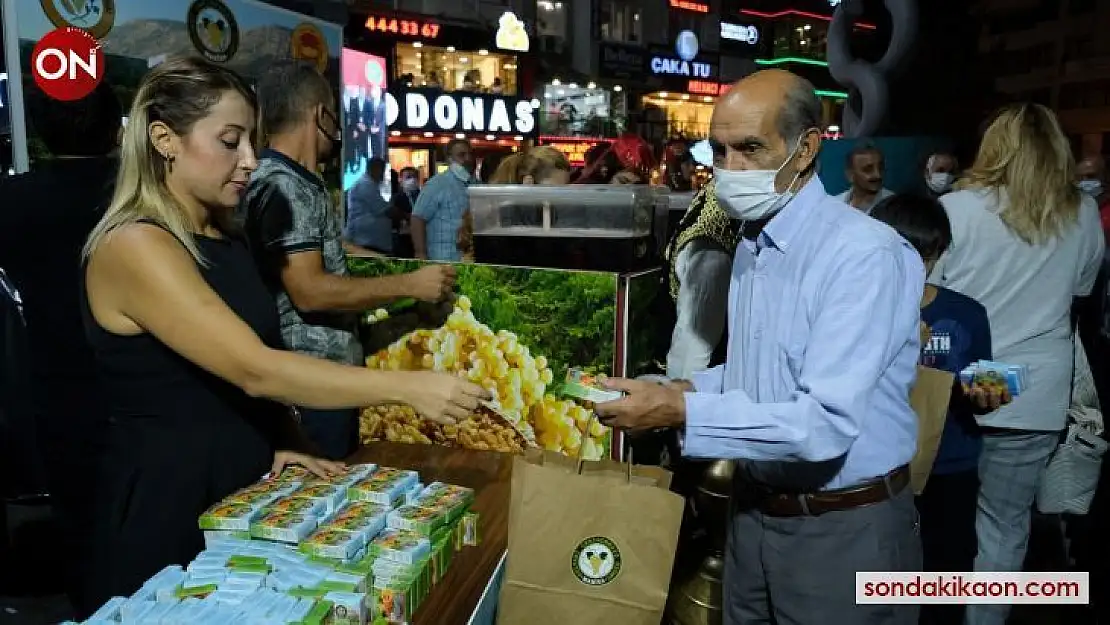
x=813, y=399
x=438, y=213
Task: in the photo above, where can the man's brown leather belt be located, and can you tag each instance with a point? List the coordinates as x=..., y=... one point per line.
x=815, y=504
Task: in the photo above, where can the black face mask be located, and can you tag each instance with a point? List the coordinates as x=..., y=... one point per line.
x=334, y=140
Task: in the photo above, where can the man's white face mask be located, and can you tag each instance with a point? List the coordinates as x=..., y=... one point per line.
x=750, y=195
x=940, y=182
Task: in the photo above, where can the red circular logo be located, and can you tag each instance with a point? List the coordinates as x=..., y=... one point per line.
x=67, y=63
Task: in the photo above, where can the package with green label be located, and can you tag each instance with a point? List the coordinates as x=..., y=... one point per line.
x=386, y=486
x=588, y=387
x=414, y=518
x=295, y=504
x=328, y=496
x=366, y=526
x=285, y=527
x=332, y=542
x=400, y=546
x=348, y=608
x=228, y=517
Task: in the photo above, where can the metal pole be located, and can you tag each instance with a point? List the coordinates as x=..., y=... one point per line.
x=16, y=115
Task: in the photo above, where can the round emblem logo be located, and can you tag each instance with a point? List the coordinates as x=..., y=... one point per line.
x=95, y=16
x=67, y=63
x=686, y=45
x=596, y=561
x=213, y=30
x=309, y=44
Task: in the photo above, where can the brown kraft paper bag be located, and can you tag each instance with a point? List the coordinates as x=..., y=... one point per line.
x=589, y=548
x=929, y=398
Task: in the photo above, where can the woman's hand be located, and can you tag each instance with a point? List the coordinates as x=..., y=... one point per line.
x=326, y=469
x=444, y=398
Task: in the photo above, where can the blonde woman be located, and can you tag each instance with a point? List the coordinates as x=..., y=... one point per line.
x=539, y=165
x=186, y=334
x=1024, y=245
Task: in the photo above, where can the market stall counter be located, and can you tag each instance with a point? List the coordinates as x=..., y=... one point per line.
x=468, y=592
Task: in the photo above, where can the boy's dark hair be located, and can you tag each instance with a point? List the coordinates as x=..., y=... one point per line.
x=86, y=127
x=288, y=90
x=449, y=147
x=920, y=220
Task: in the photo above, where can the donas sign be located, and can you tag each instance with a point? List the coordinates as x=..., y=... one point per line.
x=432, y=110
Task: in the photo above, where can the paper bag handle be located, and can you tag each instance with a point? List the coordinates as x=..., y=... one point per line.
x=581, y=462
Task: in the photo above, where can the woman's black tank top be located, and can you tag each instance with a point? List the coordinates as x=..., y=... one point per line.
x=142, y=378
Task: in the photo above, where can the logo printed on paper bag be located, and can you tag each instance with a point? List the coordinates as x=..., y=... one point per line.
x=213, y=30
x=308, y=44
x=67, y=63
x=95, y=16
x=596, y=561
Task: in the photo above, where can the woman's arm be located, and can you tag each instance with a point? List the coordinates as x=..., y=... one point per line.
x=142, y=279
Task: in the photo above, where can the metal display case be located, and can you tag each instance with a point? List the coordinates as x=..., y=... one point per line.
x=587, y=227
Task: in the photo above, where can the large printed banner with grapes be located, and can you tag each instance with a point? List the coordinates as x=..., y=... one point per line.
x=513, y=330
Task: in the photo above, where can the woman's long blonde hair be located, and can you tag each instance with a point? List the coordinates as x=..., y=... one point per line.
x=1025, y=153
x=539, y=163
x=178, y=93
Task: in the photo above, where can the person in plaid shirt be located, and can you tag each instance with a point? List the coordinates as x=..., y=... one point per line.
x=438, y=214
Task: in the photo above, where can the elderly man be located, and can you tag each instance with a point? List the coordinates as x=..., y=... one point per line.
x=864, y=169
x=940, y=173
x=1092, y=181
x=813, y=400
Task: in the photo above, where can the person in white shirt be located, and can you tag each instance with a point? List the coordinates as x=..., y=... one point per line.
x=864, y=169
x=1025, y=244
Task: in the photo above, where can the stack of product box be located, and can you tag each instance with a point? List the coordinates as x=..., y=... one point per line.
x=362, y=549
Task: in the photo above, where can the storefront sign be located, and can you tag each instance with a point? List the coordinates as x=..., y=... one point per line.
x=685, y=62
x=690, y=5
x=621, y=61
x=432, y=110
x=703, y=87
x=403, y=27
x=511, y=34
x=739, y=32
x=575, y=151
x=308, y=44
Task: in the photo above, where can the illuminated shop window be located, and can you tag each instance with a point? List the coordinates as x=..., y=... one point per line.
x=575, y=110
x=479, y=71
x=683, y=115
x=801, y=38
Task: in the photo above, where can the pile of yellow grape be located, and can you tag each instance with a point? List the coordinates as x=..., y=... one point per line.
x=498, y=362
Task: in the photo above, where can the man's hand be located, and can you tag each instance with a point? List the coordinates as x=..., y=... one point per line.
x=648, y=406
x=433, y=283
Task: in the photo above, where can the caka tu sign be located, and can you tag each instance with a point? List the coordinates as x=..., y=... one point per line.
x=402, y=27
x=673, y=66
x=432, y=110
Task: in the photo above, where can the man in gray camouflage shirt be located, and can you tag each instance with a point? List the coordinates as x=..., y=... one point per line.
x=295, y=234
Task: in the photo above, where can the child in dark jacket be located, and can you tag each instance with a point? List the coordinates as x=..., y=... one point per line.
x=958, y=334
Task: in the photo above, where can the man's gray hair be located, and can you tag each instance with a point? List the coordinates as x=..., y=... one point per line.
x=800, y=112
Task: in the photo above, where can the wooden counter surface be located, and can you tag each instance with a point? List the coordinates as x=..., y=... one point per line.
x=453, y=599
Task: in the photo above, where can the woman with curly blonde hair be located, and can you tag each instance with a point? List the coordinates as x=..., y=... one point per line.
x=1025, y=244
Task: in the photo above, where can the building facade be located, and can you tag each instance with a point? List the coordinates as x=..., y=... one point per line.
x=1052, y=52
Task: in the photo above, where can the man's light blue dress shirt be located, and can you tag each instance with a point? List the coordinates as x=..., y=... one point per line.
x=441, y=205
x=823, y=347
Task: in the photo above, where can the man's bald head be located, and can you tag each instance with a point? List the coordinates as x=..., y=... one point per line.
x=763, y=120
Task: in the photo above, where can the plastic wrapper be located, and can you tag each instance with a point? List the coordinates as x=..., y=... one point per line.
x=296, y=504
x=235, y=517
x=328, y=496
x=418, y=519
x=400, y=546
